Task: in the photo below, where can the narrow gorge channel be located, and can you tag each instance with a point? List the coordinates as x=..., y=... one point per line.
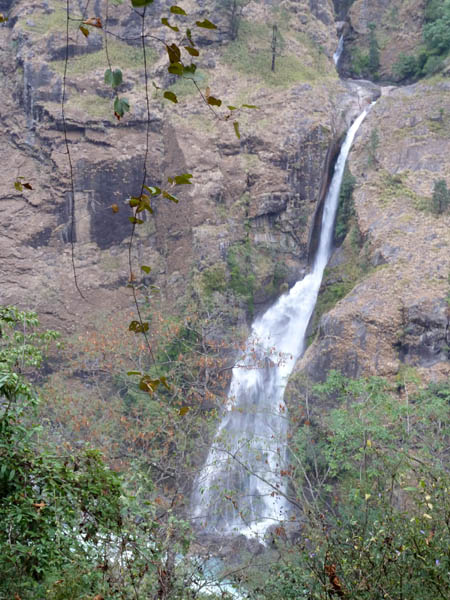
x=242, y=488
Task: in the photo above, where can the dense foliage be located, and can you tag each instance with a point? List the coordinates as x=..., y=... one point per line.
x=369, y=478
x=436, y=36
x=346, y=208
x=373, y=479
x=71, y=527
x=441, y=197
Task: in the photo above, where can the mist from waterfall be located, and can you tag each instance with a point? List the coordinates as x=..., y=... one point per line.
x=242, y=488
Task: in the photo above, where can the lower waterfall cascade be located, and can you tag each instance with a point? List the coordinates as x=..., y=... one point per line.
x=242, y=488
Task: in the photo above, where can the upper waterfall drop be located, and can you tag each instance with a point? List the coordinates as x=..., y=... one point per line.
x=338, y=53
x=242, y=488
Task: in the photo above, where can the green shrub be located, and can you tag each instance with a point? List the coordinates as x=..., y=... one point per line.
x=440, y=200
x=242, y=278
x=406, y=67
x=346, y=208
x=433, y=65
x=214, y=279
x=375, y=517
x=71, y=527
x=360, y=62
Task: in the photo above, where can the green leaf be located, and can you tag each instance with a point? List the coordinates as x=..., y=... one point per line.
x=214, y=101
x=206, y=24
x=171, y=96
x=163, y=380
x=236, y=129
x=250, y=106
x=18, y=186
x=113, y=78
x=134, y=373
x=146, y=269
x=121, y=106
x=182, y=179
x=192, y=51
x=189, y=37
x=140, y=3
x=165, y=21
x=170, y=197
x=134, y=201
x=152, y=189
x=174, y=53
x=184, y=410
x=147, y=384
x=232, y=107
x=138, y=327
x=189, y=69
x=144, y=204
x=177, y=10
x=135, y=221
x=176, y=69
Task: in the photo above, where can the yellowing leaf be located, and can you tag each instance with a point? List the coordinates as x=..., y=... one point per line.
x=184, y=410
x=93, y=22
x=84, y=30
x=114, y=208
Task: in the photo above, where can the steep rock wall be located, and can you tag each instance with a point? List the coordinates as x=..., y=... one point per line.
x=260, y=191
x=397, y=313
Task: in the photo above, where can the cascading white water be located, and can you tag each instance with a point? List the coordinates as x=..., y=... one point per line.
x=339, y=50
x=242, y=488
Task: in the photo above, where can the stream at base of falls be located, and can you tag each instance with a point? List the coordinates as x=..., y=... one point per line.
x=242, y=487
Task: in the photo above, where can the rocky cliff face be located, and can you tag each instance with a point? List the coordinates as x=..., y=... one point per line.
x=397, y=27
x=398, y=312
x=242, y=232
x=260, y=192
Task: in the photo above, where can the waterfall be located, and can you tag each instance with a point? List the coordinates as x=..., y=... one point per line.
x=242, y=488
x=339, y=50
